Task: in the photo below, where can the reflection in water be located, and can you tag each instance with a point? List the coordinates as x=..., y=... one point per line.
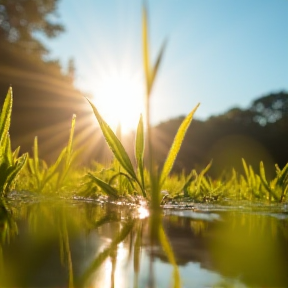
x=80, y=244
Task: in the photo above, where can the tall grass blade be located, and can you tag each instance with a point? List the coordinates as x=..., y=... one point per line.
x=114, y=143
x=7, y=150
x=263, y=175
x=36, y=158
x=176, y=146
x=246, y=170
x=16, y=153
x=265, y=182
x=157, y=64
x=139, y=149
x=54, y=168
x=146, y=61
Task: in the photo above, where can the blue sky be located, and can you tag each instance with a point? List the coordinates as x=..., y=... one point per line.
x=221, y=53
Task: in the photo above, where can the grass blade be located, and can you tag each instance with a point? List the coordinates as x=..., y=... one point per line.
x=7, y=150
x=70, y=142
x=108, y=189
x=114, y=144
x=157, y=64
x=282, y=175
x=16, y=169
x=176, y=146
x=146, y=60
x=36, y=158
x=16, y=153
x=265, y=182
x=139, y=149
x=246, y=170
x=53, y=169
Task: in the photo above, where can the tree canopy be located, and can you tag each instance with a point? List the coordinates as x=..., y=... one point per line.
x=20, y=21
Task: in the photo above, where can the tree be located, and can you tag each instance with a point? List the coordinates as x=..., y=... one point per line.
x=270, y=108
x=44, y=98
x=21, y=20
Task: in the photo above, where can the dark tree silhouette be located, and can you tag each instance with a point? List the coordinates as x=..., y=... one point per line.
x=44, y=98
x=270, y=108
x=21, y=20
x=256, y=133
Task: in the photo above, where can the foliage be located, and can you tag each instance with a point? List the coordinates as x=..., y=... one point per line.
x=10, y=163
x=21, y=19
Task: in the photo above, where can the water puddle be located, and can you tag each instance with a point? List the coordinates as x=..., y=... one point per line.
x=74, y=243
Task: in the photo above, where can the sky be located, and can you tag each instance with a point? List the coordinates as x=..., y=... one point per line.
x=221, y=53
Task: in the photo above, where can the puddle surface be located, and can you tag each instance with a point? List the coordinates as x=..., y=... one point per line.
x=85, y=244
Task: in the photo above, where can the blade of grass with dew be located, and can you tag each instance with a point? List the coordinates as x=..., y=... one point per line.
x=263, y=177
x=282, y=175
x=10, y=166
x=139, y=150
x=114, y=144
x=17, y=167
x=5, y=116
x=68, y=157
x=16, y=153
x=108, y=189
x=176, y=146
x=282, y=181
x=246, y=170
x=7, y=150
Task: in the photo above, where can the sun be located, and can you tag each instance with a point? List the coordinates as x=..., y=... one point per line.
x=119, y=98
